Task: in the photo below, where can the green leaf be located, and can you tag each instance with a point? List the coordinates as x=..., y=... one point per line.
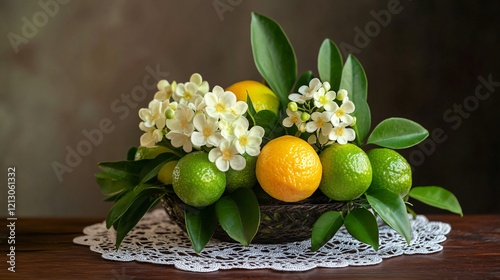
x=354, y=81
x=125, y=170
x=239, y=215
x=270, y=122
x=363, y=121
x=325, y=228
x=131, y=153
x=126, y=201
x=251, y=109
x=151, y=169
x=397, y=133
x=362, y=225
x=330, y=64
x=304, y=79
x=273, y=55
x=392, y=209
x=200, y=226
x=133, y=215
x=437, y=197
x=110, y=184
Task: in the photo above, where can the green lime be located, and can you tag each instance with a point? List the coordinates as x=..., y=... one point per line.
x=150, y=153
x=347, y=172
x=390, y=171
x=197, y=181
x=245, y=178
x=165, y=174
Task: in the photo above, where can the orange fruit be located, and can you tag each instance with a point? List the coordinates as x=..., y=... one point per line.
x=288, y=169
x=263, y=98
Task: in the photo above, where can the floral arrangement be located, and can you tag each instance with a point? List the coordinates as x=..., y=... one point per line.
x=189, y=117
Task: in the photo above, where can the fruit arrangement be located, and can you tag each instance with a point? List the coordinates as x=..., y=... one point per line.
x=218, y=157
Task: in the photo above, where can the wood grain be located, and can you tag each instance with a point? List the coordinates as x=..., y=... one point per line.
x=44, y=250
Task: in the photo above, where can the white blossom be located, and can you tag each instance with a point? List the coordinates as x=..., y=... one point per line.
x=151, y=136
x=154, y=115
x=178, y=139
x=203, y=86
x=248, y=140
x=186, y=93
x=225, y=156
x=319, y=122
x=219, y=103
x=292, y=119
x=181, y=123
x=306, y=92
x=342, y=134
x=341, y=114
x=165, y=90
x=325, y=99
x=227, y=127
x=206, y=134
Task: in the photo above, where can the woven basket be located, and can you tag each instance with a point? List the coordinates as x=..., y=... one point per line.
x=280, y=222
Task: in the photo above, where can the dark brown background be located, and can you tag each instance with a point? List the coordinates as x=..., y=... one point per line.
x=89, y=53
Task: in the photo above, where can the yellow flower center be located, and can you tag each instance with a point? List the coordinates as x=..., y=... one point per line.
x=295, y=119
x=339, y=112
x=243, y=140
x=220, y=107
x=340, y=131
x=207, y=132
x=226, y=155
x=320, y=123
x=323, y=100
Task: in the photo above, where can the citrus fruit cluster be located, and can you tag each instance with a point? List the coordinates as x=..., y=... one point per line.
x=288, y=168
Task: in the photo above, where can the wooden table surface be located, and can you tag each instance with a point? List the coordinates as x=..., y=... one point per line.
x=44, y=250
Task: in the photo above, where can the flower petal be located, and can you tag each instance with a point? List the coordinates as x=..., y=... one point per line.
x=237, y=162
x=221, y=164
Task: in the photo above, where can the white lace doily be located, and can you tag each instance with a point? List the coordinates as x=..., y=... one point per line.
x=156, y=239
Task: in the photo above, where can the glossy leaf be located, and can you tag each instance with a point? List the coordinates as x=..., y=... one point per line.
x=354, y=81
x=134, y=214
x=273, y=55
x=270, y=122
x=437, y=197
x=151, y=169
x=330, y=64
x=126, y=201
x=304, y=79
x=131, y=153
x=239, y=215
x=325, y=228
x=392, y=209
x=397, y=133
x=124, y=170
x=200, y=226
x=362, y=225
x=110, y=184
x=251, y=109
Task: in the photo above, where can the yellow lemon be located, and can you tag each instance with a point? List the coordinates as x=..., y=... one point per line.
x=263, y=98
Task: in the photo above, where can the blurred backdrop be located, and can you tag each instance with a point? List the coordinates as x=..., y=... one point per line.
x=76, y=72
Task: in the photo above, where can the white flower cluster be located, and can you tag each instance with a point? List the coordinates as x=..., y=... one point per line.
x=191, y=116
x=321, y=112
